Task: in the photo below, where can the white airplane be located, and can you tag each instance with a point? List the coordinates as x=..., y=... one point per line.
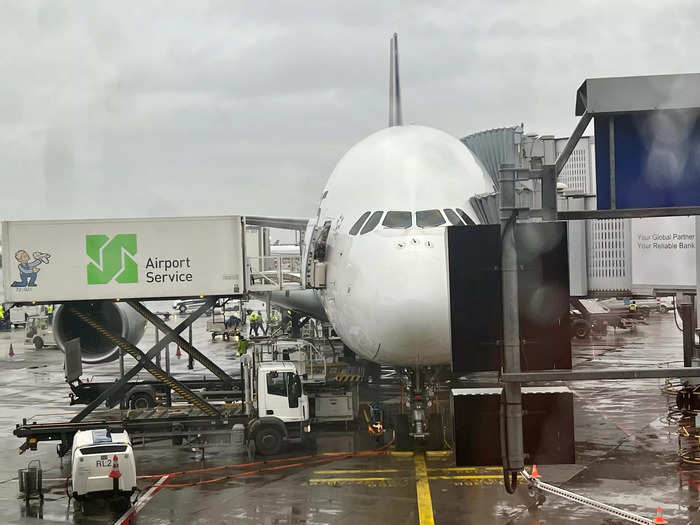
x=380, y=230
x=384, y=208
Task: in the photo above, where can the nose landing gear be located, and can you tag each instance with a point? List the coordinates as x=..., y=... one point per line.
x=421, y=423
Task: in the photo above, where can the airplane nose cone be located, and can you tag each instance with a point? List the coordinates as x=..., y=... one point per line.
x=403, y=302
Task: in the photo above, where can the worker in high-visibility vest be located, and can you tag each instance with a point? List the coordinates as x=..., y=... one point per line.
x=273, y=321
x=242, y=345
x=49, y=312
x=633, y=307
x=255, y=321
x=2, y=312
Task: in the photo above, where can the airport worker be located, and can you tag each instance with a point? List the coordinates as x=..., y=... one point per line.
x=633, y=307
x=286, y=320
x=242, y=345
x=49, y=312
x=273, y=321
x=232, y=321
x=261, y=325
x=254, y=326
x=2, y=312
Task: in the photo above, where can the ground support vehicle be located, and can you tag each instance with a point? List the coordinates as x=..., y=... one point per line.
x=332, y=390
x=274, y=410
x=18, y=316
x=102, y=463
x=219, y=328
x=151, y=393
x=590, y=315
x=38, y=332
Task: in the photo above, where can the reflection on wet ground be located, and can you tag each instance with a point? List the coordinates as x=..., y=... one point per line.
x=626, y=455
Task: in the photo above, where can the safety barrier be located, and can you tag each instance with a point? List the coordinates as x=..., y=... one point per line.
x=537, y=485
x=268, y=273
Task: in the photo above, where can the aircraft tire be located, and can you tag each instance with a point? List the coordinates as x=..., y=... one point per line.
x=436, y=440
x=403, y=439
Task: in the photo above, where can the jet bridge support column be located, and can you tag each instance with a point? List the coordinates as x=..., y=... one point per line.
x=511, y=408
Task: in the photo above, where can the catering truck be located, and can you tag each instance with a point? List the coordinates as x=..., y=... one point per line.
x=97, y=265
x=77, y=260
x=274, y=412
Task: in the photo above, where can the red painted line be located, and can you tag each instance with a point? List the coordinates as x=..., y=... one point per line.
x=142, y=502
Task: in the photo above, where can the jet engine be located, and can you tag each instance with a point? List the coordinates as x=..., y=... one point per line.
x=119, y=318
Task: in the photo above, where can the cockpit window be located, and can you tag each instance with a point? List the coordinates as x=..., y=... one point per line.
x=372, y=222
x=466, y=218
x=452, y=217
x=397, y=219
x=356, y=227
x=429, y=218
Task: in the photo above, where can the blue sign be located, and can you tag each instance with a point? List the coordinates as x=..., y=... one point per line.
x=657, y=159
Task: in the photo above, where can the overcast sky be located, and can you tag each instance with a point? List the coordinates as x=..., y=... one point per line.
x=112, y=109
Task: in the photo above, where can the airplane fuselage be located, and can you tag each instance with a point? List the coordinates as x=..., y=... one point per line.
x=386, y=284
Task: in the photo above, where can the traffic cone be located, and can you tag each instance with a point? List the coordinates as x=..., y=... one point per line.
x=178, y=354
x=114, y=473
x=12, y=352
x=659, y=516
x=535, y=473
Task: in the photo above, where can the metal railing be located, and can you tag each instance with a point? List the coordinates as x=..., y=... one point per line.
x=307, y=358
x=267, y=273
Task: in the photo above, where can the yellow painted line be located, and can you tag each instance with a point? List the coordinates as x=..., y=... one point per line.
x=356, y=471
x=425, y=502
x=473, y=476
x=438, y=453
x=465, y=469
x=320, y=481
x=401, y=454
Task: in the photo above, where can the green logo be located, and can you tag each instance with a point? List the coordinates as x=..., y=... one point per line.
x=111, y=258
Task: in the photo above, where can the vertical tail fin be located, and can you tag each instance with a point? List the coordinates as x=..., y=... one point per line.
x=395, y=117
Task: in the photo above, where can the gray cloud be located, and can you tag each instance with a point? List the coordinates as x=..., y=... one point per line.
x=169, y=108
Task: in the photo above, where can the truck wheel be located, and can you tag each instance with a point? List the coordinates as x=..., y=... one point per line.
x=436, y=440
x=38, y=342
x=403, y=439
x=581, y=329
x=141, y=400
x=268, y=440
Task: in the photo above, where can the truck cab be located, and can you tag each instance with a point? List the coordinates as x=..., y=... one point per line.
x=282, y=410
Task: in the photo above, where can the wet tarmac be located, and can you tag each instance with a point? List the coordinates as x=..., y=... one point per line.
x=627, y=455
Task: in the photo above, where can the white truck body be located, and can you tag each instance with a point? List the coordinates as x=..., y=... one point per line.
x=59, y=261
x=93, y=456
x=19, y=314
